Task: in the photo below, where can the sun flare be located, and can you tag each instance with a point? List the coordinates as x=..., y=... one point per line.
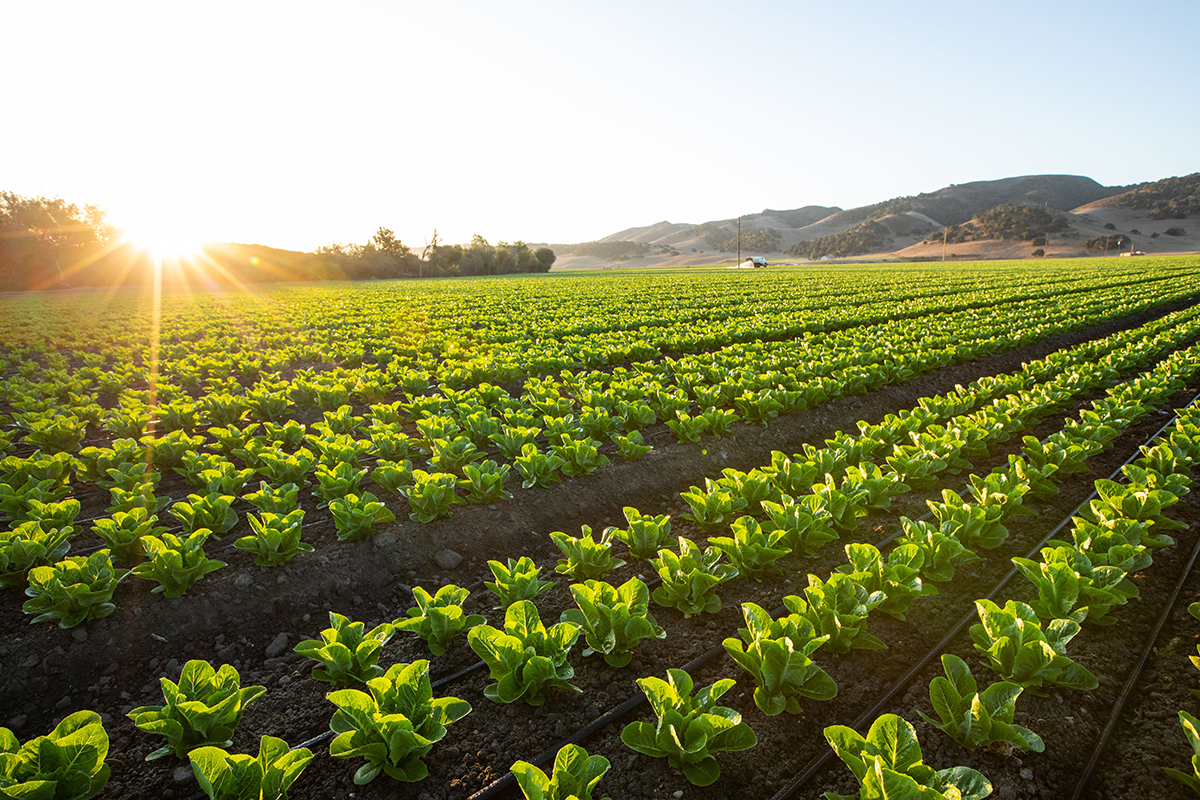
x=164, y=239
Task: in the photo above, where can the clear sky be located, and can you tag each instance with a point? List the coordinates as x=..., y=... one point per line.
x=296, y=124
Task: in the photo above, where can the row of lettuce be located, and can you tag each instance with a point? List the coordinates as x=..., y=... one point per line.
x=839, y=604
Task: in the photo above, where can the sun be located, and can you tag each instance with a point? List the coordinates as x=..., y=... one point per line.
x=163, y=238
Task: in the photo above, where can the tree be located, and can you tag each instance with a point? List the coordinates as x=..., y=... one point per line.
x=545, y=257
x=479, y=258
x=385, y=241
x=43, y=242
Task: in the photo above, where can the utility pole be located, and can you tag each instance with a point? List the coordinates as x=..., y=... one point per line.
x=945, y=239
x=739, y=259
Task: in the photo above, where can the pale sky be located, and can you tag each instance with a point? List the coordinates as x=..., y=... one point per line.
x=297, y=124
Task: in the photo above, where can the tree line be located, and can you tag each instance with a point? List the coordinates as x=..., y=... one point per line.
x=53, y=244
x=385, y=256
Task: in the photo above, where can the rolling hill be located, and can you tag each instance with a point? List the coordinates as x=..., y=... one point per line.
x=902, y=228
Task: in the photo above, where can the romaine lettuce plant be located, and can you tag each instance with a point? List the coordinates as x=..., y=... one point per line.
x=29, y=545
x=395, y=725
x=168, y=451
x=345, y=653
x=282, y=468
x=512, y=439
x=431, y=495
x=613, y=620
x=713, y=507
x=752, y=488
x=538, y=469
x=67, y=764
x=268, y=776
x=56, y=515
x=276, y=538
x=230, y=438
x=526, y=658
x=1191, y=729
x=355, y=516
x=1120, y=501
x=93, y=463
x=16, y=500
x=575, y=775
x=719, y=420
x=777, y=654
x=688, y=428
x=283, y=500
x=845, y=503
x=393, y=476
x=752, y=549
x=888, y=764
x=805, y=523
x=976, y=525
x=584, y=557
x=438, y=618
x=690, y=579
x=62, y=434
x=334, y=483
x=176, y=564
x=485, y=481
x=880, y=487
x=204, y=708
x=73, y=590
x=940, y=550
x=212, y=511
x=838, y=607
x=792, y=476
x=123, y=533
x=518, y=580
x=973, y=718
x=897, y=579
x=390, y=442
x=288, y=435
x=689, y=729
x=195, y=463
x=141, y=496
x=451, y=455
x=580, y=457
x=645, y=534
x=1066, y=576
x=631, y=446
x=1016, y=648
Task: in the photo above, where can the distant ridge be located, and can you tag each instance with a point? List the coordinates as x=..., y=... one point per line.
x=902, y=225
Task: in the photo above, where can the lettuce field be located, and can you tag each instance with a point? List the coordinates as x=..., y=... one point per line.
x=902, y=531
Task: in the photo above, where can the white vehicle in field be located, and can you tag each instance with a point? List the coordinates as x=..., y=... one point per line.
x=754, y=262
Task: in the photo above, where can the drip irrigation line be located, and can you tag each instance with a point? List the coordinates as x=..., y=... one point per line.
x=509, y=779
x=1131, y=683
x=819, y=763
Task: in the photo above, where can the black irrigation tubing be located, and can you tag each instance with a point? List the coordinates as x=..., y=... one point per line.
x=508, y=779
x=1131, y=683
x=819, y=763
